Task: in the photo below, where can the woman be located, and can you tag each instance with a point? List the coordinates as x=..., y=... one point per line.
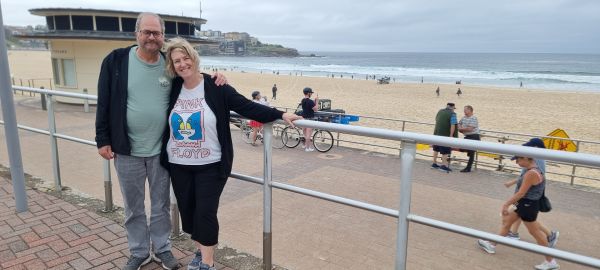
x=197, y=147
x=530, y=189
x=309, y=107
x=552, y=236
x=256, y=126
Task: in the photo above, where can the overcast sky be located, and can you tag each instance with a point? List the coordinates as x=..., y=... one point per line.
x=546, y=26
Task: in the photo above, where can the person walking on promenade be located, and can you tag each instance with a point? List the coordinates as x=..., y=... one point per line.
x=256, y=126
x=197, y=147
x=459, y=92
x=552, y=236
x=309, y=107
x=526, y=200
x=445, y=125
x=437, y=91
x=133, y=94
x=274, y=89
x=469, y=126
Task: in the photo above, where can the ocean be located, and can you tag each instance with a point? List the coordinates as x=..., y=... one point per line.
x=564, y=72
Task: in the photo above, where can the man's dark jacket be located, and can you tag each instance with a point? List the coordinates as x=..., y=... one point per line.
x=111, y=112
x=221, y=100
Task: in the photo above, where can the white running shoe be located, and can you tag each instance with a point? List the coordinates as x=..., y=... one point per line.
x=548, y=265
x=308, y=149
x=553, y=239
x=487, y=246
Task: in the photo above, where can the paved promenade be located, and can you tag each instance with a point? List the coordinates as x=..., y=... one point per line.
x=308, y=233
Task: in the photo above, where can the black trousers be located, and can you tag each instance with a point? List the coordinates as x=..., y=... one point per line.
x=198, y=189
x=471, y=153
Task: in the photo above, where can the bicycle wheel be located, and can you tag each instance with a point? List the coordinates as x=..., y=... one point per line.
x=277, y=139
x=323, y=140
x=290, y=137
x=246, y=131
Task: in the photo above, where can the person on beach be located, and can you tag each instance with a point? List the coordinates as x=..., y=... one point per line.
x=552, y=236
x=445, y=125
x=437, y=91
x=309, y=107
x=469, y=126
x=197, y=147
x=133, y=94
x=524, y=205
x=274, y=90
x=459, y=92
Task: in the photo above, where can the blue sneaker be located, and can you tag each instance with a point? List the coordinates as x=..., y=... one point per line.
x=435, y=166
x=445, y=169
x=196, y=261
x=553, y=238
x=206, y=267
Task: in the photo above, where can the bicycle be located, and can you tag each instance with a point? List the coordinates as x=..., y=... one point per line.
x=246, y=132
x=322, y=139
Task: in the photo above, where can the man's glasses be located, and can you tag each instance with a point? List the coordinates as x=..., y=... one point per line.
x=147, y=33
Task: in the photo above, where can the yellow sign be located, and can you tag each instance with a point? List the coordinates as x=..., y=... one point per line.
x=421, y=146
x=490, y=155
x=560, y=144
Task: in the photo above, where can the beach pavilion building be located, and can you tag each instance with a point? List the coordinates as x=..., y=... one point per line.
x=79, y=39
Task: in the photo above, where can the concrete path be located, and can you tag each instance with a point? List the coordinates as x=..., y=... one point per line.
x=309, y=233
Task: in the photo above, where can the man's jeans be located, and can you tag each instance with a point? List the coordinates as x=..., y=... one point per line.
x=133, y=172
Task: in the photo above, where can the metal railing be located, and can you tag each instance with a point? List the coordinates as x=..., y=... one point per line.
x=48, y=98
x=409, y=141
x=408, y=154
x=500, y=136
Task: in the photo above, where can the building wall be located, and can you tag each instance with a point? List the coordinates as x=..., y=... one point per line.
x=88, y=56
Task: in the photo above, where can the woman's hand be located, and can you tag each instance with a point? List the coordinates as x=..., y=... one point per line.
x=290, y=117
x=220, y=79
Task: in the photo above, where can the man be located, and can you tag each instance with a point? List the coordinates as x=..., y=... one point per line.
x=309, y=107
x=445, y=125
x=469, y=126
x=133, y=95
x=274, y=89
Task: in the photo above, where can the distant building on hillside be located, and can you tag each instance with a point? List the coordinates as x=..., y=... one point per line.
x=234, y=36
x=80, y=38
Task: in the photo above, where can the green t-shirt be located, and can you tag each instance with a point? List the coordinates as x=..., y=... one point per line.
x=148, y=91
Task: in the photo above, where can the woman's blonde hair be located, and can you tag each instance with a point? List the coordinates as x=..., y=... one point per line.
x=180, y=44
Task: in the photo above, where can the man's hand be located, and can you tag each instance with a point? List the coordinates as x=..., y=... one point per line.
x=289, y=117
x=106, y=152
x=220, y=79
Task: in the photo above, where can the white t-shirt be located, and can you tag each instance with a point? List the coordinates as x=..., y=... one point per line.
x=193, y=125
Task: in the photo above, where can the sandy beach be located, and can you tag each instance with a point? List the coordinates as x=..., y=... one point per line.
x=518, y=110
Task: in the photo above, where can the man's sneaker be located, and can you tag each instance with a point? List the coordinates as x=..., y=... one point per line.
x=196, y=261
x=445, y=169
x=548, y=265
x=135, y=263
x=513, y=235
x=487, y=246
x=206, y=267
x=167, y=260
x=465, y=170
x=309, y=149
x=435, y=166
x=553, y=238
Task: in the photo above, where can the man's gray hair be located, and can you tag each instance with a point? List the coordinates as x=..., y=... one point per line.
x=144, y=14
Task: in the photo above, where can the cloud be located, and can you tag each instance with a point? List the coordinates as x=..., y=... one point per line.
x=386, y=25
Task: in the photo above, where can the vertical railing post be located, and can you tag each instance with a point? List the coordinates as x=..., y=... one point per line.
x=86, y=102
x=175, y=225
x=407, y=161
x=267, y=197
x=108, y=198
x=574, y=165
x=53, y=144
x=43, y=97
